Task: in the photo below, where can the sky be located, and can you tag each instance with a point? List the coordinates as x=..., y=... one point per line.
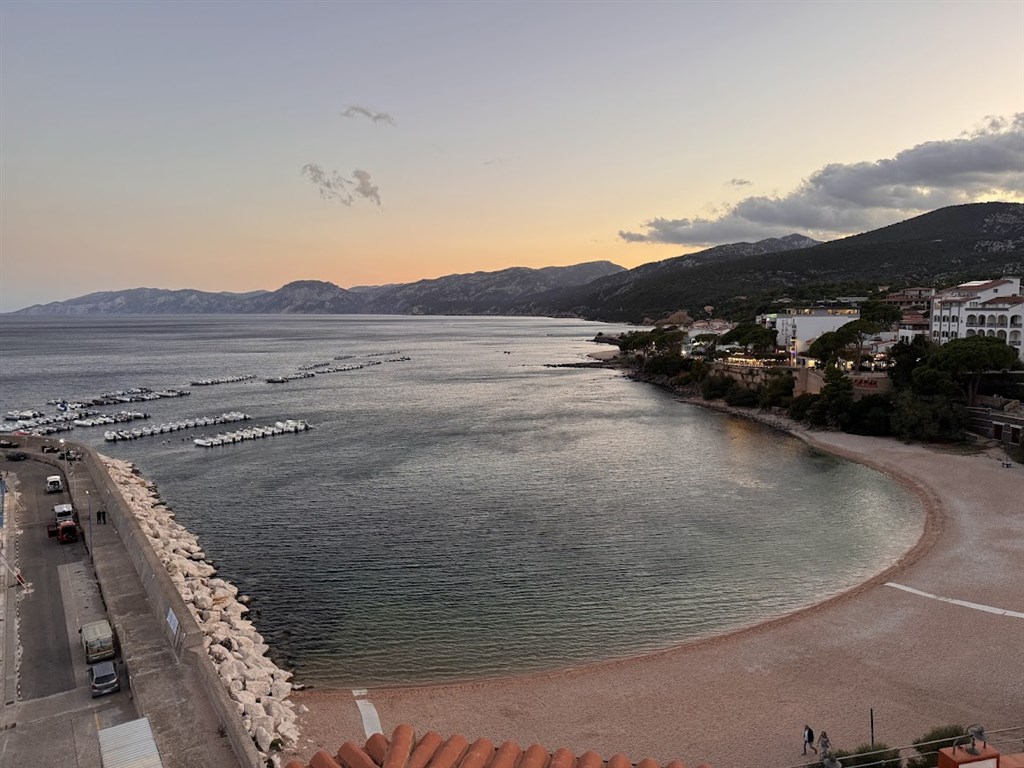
x=229, y=146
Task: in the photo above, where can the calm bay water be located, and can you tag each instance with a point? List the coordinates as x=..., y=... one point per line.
x=468, y=512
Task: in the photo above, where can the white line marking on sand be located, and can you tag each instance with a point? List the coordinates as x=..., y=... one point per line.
x=964, y=603
x=371, y=720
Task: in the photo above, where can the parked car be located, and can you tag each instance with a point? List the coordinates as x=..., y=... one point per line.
x=8, y=444
x=69, y=455
x=50, y=449
x=103, y=679
x=16, y=456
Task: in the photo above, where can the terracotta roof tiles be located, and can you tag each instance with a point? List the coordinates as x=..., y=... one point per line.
x=404, y=750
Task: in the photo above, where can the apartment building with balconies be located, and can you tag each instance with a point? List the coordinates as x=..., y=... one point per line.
x=980, y=308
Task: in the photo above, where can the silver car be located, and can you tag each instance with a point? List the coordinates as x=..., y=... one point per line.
x=103, y=679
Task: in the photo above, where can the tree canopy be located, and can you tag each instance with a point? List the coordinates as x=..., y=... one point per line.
x=751, y=336
x=878, y=312
x=668, y=340
x=848, y=340
x=967, y=359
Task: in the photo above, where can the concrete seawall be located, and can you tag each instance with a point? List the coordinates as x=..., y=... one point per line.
x=181, y=632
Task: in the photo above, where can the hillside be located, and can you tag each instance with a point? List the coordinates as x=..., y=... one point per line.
x=482, y=293
x=938, y=248
x=477, y=293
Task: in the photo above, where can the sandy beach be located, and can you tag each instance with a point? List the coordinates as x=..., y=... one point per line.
x=742, y=699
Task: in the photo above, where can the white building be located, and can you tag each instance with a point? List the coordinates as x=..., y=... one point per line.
x=799, y=326
x=914, y=323
x=980, y=308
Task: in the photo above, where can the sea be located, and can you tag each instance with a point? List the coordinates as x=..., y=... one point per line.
x=471, y=511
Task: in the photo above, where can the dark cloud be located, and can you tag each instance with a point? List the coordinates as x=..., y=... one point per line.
x=739, y=182
x=359, y=111
x=842, y=199
x=334, y=186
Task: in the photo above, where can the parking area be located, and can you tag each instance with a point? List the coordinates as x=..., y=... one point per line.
x=48, y=712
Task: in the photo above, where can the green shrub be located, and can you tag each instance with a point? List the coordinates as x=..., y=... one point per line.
x=715, y=386
x=878, y=756
x=777, y=391
x=801, y=406
x=698, y=369
x=928, y=746
x=739, y=395
x=682, y=379
x=871, y=416
x=664, y=365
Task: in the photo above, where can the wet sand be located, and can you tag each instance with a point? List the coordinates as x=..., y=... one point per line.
x=742, y=699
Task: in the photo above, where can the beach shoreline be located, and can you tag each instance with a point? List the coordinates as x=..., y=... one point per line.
x=545, y=706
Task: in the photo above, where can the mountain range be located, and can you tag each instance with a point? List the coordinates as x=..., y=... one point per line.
x=940, y=248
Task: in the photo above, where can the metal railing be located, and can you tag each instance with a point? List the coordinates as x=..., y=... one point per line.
x=1006, y=740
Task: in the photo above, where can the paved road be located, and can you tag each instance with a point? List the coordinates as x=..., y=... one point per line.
x=47, y=666
x=56, y=719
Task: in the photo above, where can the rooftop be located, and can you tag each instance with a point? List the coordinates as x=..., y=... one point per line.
x=404, y=750
x=1009, y=300
x=980, y=285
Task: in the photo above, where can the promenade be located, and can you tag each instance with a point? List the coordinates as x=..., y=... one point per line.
x=952, y=651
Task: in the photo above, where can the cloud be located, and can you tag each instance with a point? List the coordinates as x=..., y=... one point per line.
x=364, y=187
x=839, y=199
x=739, y=182
x=334, y=186
x=355, y=110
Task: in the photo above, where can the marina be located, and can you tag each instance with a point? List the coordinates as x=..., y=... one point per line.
x=104, y=419
x=221, y=380
x=253, y=433
x=81, y=412
x=137, y=395
x=289, y=377
x=49, y=425
x=113, y=436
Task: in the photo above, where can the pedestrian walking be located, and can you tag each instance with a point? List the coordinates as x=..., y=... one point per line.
x=809, y=739
x=824, y=744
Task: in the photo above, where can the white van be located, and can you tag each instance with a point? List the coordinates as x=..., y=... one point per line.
x=63, y=512
x=54, y=484
x=97, y=641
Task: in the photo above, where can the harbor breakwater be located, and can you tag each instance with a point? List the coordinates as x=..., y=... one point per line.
x=257, y=686
x=202, y=615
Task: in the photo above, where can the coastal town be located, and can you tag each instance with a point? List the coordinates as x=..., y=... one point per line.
x=565, y=384
x=848, y=363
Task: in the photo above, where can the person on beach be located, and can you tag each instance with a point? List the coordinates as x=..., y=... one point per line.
x=824, y=745
x=809, y=739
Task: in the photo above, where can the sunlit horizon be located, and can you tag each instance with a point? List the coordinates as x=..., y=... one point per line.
x=225, y=147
